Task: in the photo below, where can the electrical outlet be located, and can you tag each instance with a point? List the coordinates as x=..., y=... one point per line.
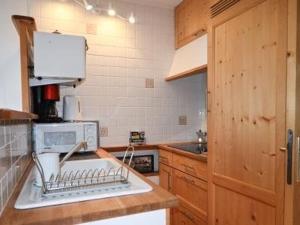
x=91, y=29
x=104, y=132
x=182, y=120
x=149, y=83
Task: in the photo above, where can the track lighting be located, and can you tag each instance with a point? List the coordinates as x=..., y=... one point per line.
x=131, y=19
x=87, y=5
x=110, y=11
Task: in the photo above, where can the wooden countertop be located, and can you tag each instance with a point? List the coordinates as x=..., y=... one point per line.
x=88, y=211
x=201, y=157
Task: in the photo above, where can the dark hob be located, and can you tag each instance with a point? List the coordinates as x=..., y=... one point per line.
x=195, y=148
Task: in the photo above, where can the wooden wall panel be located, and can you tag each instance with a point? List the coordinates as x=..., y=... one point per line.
x=245, y=57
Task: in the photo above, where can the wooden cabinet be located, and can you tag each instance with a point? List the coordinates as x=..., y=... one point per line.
x=184, y=217
x=165, y=177
x=185, y=178
x=191, y=191
x=246, y=119
x=191, y=18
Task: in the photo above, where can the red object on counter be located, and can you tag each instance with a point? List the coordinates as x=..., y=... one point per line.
x=51, y=92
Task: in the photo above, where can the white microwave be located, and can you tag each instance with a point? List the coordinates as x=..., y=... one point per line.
x=62, y=137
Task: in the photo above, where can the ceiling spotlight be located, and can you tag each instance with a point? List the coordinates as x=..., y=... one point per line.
x=111, y=12
x=131, y=19
x=87, y=5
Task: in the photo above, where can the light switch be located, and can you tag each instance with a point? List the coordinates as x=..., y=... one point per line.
x=104, y=132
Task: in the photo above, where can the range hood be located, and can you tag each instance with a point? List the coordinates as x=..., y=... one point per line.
x=189, y=60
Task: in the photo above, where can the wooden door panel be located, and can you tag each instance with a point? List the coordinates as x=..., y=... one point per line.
x=242, y=210
x=247, y=89
x=245, y=97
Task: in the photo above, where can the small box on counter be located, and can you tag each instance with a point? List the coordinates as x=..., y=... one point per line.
x=137, y=137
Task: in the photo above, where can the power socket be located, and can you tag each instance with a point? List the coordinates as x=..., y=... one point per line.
x=182, y=120
x=149, y=83
x=104, y=132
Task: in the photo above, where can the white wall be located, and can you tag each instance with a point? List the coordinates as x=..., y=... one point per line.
x=120, y=58
x=10, y=70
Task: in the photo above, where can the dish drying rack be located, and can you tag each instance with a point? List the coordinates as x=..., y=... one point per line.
x=86, y=179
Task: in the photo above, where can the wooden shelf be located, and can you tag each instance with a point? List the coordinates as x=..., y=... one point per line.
x=8, y=114
x=188, y=73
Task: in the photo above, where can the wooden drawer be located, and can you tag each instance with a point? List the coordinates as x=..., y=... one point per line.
x=190, y=166
x=184, y=217
x=165, y=157
x=191, y=192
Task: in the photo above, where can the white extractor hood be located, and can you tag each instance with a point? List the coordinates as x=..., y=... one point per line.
x=189, y=59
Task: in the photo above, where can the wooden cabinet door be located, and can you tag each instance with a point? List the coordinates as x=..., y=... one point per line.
x=165, y=177
x=191, y=18
x=246, y=119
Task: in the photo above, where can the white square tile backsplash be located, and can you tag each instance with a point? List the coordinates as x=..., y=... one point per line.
x=15, y=148
x=121, y=57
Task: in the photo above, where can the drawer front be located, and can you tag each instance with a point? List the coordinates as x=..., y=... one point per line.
x=190, y=166
x=185, y=217
x=165, y=157
x=191, y=191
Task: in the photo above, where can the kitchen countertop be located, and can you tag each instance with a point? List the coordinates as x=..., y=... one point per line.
x=88, y=211
x=201, y=157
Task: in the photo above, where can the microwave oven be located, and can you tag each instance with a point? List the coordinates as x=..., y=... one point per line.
x=62, y=137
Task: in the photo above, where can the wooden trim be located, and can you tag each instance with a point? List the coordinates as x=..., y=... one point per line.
x=8, y=114
x=188, y=73
x=25, y=27
x=245, y=189
x=150, y=174
x=123, y=148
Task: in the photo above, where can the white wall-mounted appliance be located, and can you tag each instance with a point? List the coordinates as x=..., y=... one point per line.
x=58, y=58
x=62, y=137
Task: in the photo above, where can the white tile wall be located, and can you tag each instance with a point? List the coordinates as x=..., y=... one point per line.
x=120, y=58
x=15, y=148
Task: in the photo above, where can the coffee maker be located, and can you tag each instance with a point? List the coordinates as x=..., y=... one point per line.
x=44, y=100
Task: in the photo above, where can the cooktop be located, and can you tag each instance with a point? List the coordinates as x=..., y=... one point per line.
x=195, y=148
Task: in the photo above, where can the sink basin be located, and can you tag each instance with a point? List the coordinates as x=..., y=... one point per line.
x=31, y=196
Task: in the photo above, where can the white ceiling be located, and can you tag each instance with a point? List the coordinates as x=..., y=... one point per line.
x=157, y=3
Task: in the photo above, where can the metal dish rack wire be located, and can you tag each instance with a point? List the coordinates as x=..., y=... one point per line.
x=85, y=179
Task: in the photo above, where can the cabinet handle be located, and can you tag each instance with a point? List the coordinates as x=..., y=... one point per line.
x=290, y=137
x=189, y=169
x=169, y=183
x=189, y=216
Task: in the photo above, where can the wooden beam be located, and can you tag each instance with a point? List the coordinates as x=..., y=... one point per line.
x=188, y=73
x=25, y=27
